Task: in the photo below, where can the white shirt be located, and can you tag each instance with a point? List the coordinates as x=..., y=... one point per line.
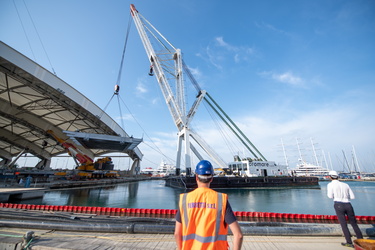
x=339, y=191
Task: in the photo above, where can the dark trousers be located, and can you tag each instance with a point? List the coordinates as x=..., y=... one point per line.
x=343, y=209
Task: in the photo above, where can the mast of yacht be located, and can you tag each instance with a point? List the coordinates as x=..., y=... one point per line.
x=285, y=157
x=301, y=162
x=356, y=160
x=346, y=161
x=330, y=160
x=315, y=156
x=325, y=159
x=299, y=151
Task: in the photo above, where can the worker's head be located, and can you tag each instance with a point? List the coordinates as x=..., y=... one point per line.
x=204, y=171
x=333, y=174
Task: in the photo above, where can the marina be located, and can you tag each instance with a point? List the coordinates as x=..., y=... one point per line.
x=49, y=118
x=97, y=135
x=93, y=229
x=53, y=140
x=153, y=194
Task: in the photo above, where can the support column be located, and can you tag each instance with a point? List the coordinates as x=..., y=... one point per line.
x=187, y=151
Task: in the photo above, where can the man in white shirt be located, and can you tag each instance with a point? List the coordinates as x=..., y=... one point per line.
x=342, y=194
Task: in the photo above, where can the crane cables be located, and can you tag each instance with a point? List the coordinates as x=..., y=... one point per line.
x=224, y=117
x=235, y=129
x=117, y=86
x=123, y=52
x=36, y=30
x=156, y=146
x=119, y=99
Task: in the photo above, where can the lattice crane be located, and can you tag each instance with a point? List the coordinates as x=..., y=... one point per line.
x=167, y=66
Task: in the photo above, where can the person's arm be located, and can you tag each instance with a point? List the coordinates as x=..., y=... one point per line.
x=351, y=194
x=329, y=191
x=178, y=234
x=237, y=235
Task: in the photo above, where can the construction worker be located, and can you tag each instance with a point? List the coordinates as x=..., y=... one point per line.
x=341, y=194
x=204, y=215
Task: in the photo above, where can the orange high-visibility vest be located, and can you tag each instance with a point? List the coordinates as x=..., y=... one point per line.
x=202, y=217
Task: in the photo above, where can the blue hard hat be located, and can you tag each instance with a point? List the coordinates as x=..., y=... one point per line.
x=204, y=168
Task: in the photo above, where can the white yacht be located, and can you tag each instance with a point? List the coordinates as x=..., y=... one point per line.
x=165, y=169
x=308, y=169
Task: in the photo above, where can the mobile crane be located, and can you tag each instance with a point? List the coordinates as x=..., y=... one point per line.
x=86, y=167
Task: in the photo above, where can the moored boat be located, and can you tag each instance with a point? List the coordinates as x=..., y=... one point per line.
x=248, y=173
x=249, y=167
x=308, y=169
x=164, y=170
x=188, y=182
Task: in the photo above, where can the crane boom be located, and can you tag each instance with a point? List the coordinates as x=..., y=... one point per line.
x=85, y=165
x=176, y=104
x=72, y=150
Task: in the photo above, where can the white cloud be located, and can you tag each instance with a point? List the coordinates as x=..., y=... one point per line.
x=160, y=147
x=214, y=58
x=196, y=73
x=222, y=52
x=286, y=77
x=239, y=49
x=127, y=117
x=141, y=89
x=272, y=28
x=155, y=101
x=333, y=128
x=221, y=43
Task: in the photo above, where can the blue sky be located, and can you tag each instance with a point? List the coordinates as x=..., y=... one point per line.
x=280, y=69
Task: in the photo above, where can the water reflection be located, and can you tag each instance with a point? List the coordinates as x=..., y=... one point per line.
x=271, y=200
x=97, y=197
x=155, y=195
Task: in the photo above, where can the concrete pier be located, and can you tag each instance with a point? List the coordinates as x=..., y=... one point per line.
x=8, y=194
x=66, y=230
x=37, y=190
x=12, y=238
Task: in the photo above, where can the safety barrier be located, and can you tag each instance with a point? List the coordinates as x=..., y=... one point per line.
x=171, y=212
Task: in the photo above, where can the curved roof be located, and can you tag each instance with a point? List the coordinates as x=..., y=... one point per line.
x=33, y=100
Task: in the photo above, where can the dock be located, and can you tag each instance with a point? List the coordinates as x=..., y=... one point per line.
x=44, y=230
x=9, y=194
x=37, y=190
x=63, y=240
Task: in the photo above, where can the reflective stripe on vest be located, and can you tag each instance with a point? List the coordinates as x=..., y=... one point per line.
x=202, y=239
x=186, y=220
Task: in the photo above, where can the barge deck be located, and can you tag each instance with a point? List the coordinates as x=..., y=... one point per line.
x=246, y=182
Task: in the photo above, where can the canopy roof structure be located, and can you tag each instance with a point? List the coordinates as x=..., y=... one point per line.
x=33, y=100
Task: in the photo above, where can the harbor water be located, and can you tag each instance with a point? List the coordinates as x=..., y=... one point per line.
x=154, y=194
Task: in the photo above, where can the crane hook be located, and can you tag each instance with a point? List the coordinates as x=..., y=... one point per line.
x=151, y=71
x=117, y=89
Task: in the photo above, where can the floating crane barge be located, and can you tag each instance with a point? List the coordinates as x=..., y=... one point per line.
x=167, y=65
x=245, y=182
x=249, y=173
